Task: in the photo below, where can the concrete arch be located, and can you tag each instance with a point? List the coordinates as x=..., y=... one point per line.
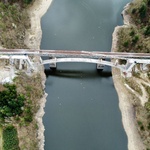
x=82, y=60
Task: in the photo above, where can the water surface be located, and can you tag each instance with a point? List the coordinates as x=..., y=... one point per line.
x=82, y=111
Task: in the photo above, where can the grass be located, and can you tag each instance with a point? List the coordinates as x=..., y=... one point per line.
x=10, y=138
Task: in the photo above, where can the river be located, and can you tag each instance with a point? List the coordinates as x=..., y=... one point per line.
x=82, y=111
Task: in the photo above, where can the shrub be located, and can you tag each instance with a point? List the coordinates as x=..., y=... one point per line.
x=148, y=127
x=27, y=1
x=133, y=10
x=148, y=2
x=126, y=44
x=143, y=10
x=142, y=128
x=147, y=31
x=132, y=33
x=135, y=39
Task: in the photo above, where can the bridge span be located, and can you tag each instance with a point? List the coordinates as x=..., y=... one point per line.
x=97, y=57
x=74, y=53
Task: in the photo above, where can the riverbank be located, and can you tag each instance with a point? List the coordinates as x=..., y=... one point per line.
x=34, y=34
x=33, y=40
x=126, y=106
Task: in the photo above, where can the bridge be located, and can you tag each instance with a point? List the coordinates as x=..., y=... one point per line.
x=56, y=56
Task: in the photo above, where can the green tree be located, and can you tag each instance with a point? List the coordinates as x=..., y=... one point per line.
x=10, y=102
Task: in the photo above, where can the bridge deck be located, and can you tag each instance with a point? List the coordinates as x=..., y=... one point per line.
x=73, y=53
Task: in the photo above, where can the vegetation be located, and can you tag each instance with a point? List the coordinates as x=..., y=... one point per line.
x=17, y=113
x=21, y=101
x=14, y=21
x=11, y=102
x=136, y=37
x=31, y=88
x=140, y=11
x=132, y=40
x=134, y=85
x=10, y=139
x=147, y=104
x=21, y=2
x=141, y=125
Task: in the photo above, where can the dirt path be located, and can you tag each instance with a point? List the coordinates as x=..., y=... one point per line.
x=144, y=97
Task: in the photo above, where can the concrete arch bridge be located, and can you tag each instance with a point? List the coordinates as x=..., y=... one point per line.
x=58, y=56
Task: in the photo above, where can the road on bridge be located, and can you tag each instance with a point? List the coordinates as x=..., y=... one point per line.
x=73, y=53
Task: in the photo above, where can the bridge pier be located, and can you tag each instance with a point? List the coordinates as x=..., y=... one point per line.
x=20, y=64
x=127, y=68
x=53, y=65
x=100, y=66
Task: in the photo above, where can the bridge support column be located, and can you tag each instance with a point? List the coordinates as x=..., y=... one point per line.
x=100, y=66
x=127, y=69
x=143, y=67
x=20, y=64
x=11, y=61
x=53, y=65
x=129, y=65
x=30, y=66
